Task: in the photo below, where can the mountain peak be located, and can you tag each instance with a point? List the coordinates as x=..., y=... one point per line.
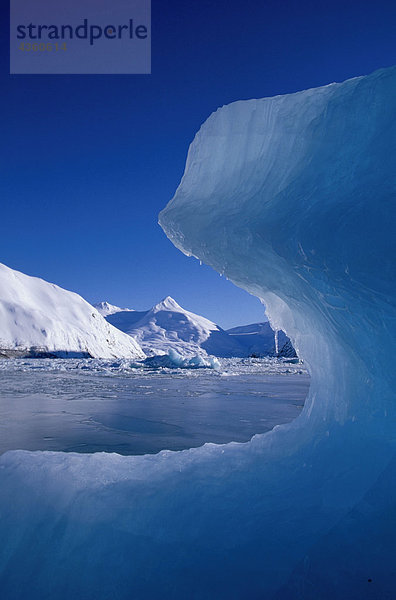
x=168, y=303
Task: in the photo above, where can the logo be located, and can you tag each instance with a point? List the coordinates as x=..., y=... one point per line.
x=88, y=36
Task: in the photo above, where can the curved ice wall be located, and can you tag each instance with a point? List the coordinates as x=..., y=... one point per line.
x=292, y=198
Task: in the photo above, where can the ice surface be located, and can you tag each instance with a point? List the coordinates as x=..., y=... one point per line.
x=94, y=405
x=293, y=199
x=37, y=317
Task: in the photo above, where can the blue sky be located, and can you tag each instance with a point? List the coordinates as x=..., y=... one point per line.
x=87, y=162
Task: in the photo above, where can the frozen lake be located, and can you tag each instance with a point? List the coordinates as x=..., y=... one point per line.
x=113, y=406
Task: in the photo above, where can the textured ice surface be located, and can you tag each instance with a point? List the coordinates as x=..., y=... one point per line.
x=293, y=199
x=123, y=366
x=115, y=406
x=174, y=360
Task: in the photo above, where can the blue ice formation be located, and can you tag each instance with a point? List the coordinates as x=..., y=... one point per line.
x=174, y=360
x=292, y=198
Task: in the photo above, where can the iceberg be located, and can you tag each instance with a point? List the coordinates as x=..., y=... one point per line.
x=174, y=360
x=292, y=198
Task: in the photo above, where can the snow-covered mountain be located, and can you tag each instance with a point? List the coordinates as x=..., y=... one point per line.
x=40, y=318
x=169, y=326
x=260, y=339
x=106, y=309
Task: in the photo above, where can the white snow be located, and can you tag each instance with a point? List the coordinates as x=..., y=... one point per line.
x=40, y=317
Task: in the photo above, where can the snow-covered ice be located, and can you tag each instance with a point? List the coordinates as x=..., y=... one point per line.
x=291, y=198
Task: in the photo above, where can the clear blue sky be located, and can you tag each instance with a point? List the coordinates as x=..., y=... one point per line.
x=87, y=162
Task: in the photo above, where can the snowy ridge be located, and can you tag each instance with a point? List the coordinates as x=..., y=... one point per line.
x=38, y=318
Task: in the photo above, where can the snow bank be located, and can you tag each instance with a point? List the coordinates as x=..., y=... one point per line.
x=38, y=318
x=291, y=197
